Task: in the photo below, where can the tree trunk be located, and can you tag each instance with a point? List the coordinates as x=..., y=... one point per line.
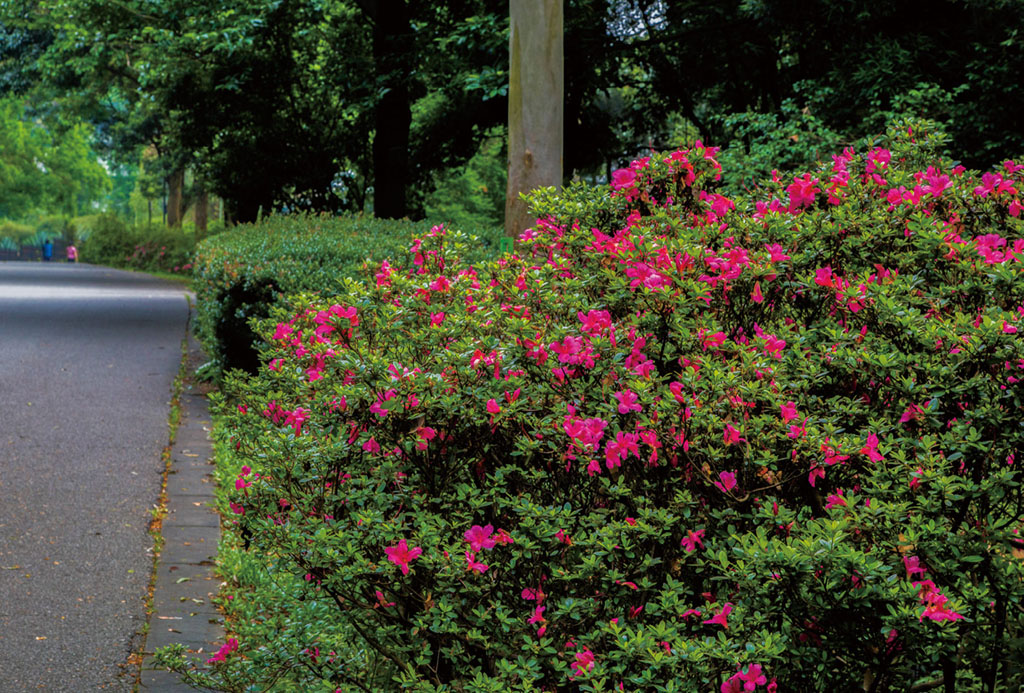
x=202, y=210
x=535, y=105
x=393, y=115
x=175, y=184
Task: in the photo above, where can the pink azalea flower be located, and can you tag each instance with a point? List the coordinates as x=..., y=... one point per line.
x=823, y=276
x=227, y=648
x=623, y=178
x=912, y=413
x=628, y=401
x=756, y=296
x=401, y=555
x=816, y=473
x=479, y=538
x=296, y=419
x=801, y=192
x=915, y=478
x=503, y=537
x=692, y=540
x=493, y=407
x=935, y=603
x=474, y=565
x=727, y=481
x=913, y=566
x=538, y=617
x=775, y=252
x=721, y=618
x=835, y=499
x=731, y=435
x=871, y=449
x=620, y=448
x=585, y=661
x=788, y=411
x=745, y=680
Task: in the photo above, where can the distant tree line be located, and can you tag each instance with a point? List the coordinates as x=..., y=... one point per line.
x=328, y=105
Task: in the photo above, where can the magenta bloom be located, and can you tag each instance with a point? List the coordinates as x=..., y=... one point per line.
x=623, y=178
x=788, y=411
x=801, y=192
x=628, y=401
x=475, y=565
x=584, y=662
x=493, y=407
x=479, y=538
x=692, y=540
x=871, y=448
x=227, y=648
x=296, y=418
x=728, y=481
x=835, y=499
x=731, y=435
x=913, y=566
x=721, y=618
x=745, y=681
x=401, y=555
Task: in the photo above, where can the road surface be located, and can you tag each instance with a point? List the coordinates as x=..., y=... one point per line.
x=88, y=356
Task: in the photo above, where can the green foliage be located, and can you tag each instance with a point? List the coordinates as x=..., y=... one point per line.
x=675, y=440
x=758, y=143
x=472, y=197
x=44, y=169
x=17, y=232
x=241, y=273
x=107, y=240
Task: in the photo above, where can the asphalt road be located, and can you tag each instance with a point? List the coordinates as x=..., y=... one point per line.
x=88, y=356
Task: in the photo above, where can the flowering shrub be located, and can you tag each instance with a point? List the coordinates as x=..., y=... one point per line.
x=676, y=442
x=241, y=272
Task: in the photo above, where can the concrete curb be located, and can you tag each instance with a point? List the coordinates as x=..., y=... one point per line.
x=183, y=608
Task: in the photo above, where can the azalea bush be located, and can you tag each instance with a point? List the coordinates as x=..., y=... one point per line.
x=675, y=442
x=240, y=273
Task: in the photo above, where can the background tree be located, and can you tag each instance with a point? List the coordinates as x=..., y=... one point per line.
x=535, y=128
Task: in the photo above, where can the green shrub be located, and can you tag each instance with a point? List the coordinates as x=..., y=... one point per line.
x=240, y=273
x=678, y=442
x=760, y=142
x=56, y=227
x=108, y=240
x=17, y=232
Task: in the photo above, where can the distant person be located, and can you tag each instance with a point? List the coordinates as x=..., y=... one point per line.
x=47, y=250
x=72, y=253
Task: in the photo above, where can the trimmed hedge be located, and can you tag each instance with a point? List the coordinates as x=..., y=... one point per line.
x=240, y=273
x=678, y=442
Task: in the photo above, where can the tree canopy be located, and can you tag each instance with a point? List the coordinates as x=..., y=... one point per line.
x=334, y=105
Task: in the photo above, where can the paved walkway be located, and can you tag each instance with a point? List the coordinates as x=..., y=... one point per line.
x=87, y=359
x=183, y=608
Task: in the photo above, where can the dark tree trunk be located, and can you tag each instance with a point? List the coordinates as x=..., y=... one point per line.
x=175, y=198
x=393, y=116
x=202, y=210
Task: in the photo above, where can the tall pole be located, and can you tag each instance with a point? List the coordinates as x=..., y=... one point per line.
x=535, y=105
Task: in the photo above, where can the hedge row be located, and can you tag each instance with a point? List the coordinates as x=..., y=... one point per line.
x=676, y=442
x=240, y=273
